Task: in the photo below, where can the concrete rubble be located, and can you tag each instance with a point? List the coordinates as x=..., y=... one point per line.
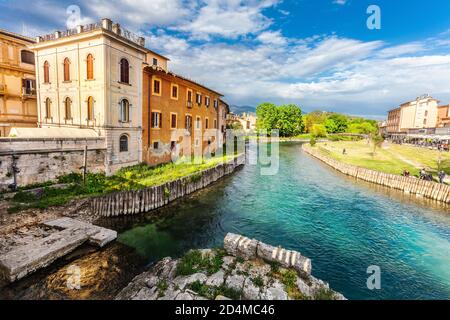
x=26, y=259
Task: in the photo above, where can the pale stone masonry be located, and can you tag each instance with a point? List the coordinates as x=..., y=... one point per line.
x=91, y=77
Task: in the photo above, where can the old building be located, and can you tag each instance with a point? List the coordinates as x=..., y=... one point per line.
x=180, y=116
x=17, y=83
x=90, y=78
x=443, y=117
x=419, y=114
x=224, y=110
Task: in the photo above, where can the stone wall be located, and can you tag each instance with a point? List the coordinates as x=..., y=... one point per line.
x=40, y=160
x=144, y=200
x=427, y=189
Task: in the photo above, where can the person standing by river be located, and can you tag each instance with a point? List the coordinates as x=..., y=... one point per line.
x=441, y=176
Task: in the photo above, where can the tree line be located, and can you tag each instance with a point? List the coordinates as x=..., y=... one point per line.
x=290, y=121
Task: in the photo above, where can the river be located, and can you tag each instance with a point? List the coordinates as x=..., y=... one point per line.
x=342, y=224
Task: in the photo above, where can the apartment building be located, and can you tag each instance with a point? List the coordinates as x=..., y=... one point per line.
x=180, y=116
x=421, y=113
x=90, y=78
x=443, y=117
x=17, y=83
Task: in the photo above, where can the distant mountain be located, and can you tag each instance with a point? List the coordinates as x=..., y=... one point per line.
x=241, y=109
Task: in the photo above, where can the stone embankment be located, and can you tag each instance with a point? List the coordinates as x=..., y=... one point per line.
x=246, y=269
x=64, y=235
x=428, y=189
x=144, y=200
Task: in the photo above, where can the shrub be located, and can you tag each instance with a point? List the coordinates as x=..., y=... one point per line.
x=312, y=141
x=193, y=262
x=324, y=294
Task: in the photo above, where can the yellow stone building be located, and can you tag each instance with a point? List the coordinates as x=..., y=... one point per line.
x=17, y=83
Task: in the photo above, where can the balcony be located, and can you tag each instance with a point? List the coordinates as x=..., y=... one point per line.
x=28, y=92
x=2, y=89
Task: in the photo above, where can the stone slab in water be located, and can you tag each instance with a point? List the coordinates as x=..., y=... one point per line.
x=24, y=260
x=100, y=236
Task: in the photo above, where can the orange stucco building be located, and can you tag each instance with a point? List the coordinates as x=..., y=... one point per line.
x=443, y=116
x=179, y=116
x=17, y=83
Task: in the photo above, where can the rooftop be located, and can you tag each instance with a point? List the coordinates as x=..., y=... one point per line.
x=173, y=74
x=104, y=24
x=17, y=36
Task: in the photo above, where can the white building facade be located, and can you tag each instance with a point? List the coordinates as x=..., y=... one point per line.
x=90, y=78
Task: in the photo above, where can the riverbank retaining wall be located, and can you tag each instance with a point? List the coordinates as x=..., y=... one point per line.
x=428, y=189
x=37, y=160
x=144, y=200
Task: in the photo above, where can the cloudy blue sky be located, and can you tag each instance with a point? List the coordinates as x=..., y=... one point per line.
x=315, y=53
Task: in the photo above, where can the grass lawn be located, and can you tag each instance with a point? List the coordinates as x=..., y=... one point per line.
x=392, y=158
x=131, y=178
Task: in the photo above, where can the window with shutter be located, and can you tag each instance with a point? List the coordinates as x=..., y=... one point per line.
x=124, y=71
x=46, y=72
x=90, y=67
x=66, y=69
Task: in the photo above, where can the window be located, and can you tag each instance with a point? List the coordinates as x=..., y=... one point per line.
x=157, y=87
x=124, y=71
x=46, y=72
x=215, y=123
x=188, y=122
x=90, y=67
x=207, y=100
x=173, y=120
x=156, y=120
x=68, y=109
x=426, y=113
x=27, y=57
x=216, y=103
x=173, y=145
x=123, y=143
x=206, y=123
x=28, y=86
x=66, y=69
x=155, y=61
x=197, y=123
x=48, y=108
x=174, y=91
x=197, y=142
x=124, y=112
x=156, y=145
x=189, y=98
x=90, y=109
x=198, y=98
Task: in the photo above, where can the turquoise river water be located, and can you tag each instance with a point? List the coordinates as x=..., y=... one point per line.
x=343, y=225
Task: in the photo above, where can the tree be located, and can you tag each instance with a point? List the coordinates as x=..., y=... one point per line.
x=336, y=123
x=315, y=117
x=365, y=127
x=318, y=130
x=286, y=118
x=266, y=114
x=377, y=140
x=289, y=120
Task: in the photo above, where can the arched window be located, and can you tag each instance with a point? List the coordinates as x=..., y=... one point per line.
x=46, y=72
x=48, y=110
x=90, y=108
x=66, y=69
x=90, y=67
x=124, y=111
x=27, y=57
x=123, y=143
x=124, y=71
x=68, y=108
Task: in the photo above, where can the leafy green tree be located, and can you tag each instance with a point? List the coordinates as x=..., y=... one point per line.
x=266, y=114
x=289, y=120
x=318, y=130
x=365, y=127
x=336, y=123
x=315, y=117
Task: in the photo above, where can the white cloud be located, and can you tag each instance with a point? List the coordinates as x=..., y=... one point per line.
x=228, y=18
x=340, y=2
